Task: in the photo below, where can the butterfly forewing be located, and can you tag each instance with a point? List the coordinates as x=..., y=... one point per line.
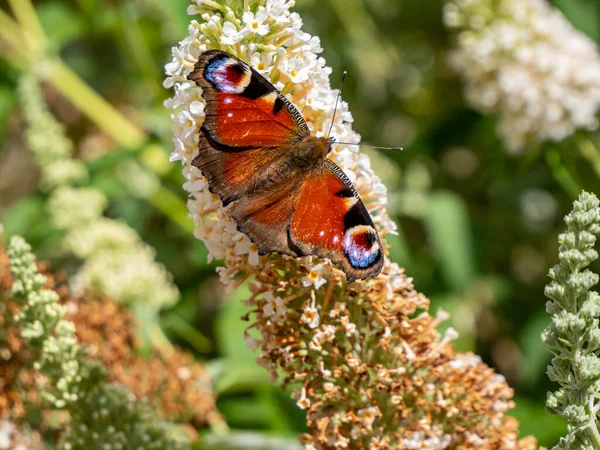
x=243, y=110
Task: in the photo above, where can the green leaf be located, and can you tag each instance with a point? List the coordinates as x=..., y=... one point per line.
x=583, y=14
x=230, y=330
x=23, y=216
x=173, y=322
x=534, y=352
x=249, y=441
x=534, y=420
x=447, y=222
x=60, y=23
x=7, y=100
x=233, y=377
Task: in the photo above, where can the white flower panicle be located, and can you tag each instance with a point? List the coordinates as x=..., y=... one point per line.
x=526, y=62
x=270, y=38
x=118, y=263
x=350, y=350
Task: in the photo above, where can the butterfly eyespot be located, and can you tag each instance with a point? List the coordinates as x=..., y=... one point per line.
x=227, y=75
x=361, y=247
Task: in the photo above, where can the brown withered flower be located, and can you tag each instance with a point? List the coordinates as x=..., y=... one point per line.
x=174, y=384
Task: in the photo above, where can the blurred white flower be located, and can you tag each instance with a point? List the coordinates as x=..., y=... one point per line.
x=71, y=207
x=6, y=431
x=120, y=264
x=130, y=275
x=315, y=276
x=525, y=61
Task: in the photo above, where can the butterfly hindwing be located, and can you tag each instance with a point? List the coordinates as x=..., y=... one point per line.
x=320, y=215
x=331, y=221
x=243, y=110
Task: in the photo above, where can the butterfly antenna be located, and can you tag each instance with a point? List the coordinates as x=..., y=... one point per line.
x=337, y=99
x=396, y=149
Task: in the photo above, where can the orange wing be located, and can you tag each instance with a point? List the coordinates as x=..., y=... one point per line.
x=243, y=110
x=321, y=214
x=331, y=221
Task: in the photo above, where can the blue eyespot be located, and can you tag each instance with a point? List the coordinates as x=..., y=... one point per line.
x=361, y=247
x=226, y=74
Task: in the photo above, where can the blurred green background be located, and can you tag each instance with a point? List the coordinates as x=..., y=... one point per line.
x=477, y=227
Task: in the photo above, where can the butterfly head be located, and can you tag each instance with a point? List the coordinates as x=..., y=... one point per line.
x=312, y=150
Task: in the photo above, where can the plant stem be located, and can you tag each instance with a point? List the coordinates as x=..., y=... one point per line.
x=11, y=32
x=25, y=14
x=138, y=50
x=173, y=207
x=593, y=429
x=94, y=106
x=561, y=174
x=589, y=151
x=214, y=4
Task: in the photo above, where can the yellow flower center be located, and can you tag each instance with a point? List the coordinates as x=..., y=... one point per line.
x=313, y=275
x=255, y=25
x=293, y=73
x=260, y=66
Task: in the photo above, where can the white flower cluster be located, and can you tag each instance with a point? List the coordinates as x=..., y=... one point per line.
x=118, y=263
x=271, y=39
x=525, y=61
x=74, y=207
x=325, y=336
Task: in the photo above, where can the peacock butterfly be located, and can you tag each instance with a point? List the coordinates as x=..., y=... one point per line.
x=256, y=152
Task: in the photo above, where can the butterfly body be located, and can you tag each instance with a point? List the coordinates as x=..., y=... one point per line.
x=257, y=154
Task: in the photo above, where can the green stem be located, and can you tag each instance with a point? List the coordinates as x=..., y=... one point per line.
x=138, y=49
x=98, y=110
x=592, y=428
x=561, y=174
x=25, y=14
x=69, y=84
x=11, y=32
x=173, y=207
x=589, y=151
x=214, y=5
x=187, y=332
